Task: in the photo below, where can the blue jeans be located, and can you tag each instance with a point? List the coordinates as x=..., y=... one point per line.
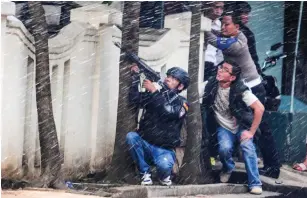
x=226, y=141
x=144, y=154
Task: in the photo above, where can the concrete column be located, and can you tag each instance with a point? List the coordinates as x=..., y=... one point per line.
x=59, y=104
x=29, y=133
x=180, y=21
x=57, y=72
x=7, y=8
x=13, y=93
x=79, y=109
x=64, y=106
x=107, y=85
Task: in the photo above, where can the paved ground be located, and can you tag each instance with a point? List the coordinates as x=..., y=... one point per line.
x=287, y=178
x=243, y=195
x=41, y=194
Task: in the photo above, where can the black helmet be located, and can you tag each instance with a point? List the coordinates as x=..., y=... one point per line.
x=179, y=74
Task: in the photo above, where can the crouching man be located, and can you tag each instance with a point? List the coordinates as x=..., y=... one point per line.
x=236, y=113
x=160, y=124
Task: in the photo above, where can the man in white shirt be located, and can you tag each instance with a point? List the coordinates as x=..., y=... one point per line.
x=212, y=55
x=234, y=113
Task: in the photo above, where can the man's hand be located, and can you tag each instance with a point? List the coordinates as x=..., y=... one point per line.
x=134, y=68
x=246, y=135
x=149, y=86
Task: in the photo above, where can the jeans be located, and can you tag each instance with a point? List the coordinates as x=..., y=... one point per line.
x=144, y=154
x=266, y=143
x=226, y=140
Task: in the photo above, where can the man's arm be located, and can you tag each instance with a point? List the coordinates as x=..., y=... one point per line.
x=135, y=94
x=252, y=101
x=228, y=45
x=258, y=108
x=160, y=103
x=251, y=42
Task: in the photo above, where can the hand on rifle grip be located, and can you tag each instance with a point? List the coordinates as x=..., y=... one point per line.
x=134, y=68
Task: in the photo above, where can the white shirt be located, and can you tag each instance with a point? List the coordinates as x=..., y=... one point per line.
x=212, y=54
x=221, y=108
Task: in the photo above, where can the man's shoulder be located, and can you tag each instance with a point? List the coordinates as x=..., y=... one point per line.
x=211, y=80
x=216, y=24
x=242, y=37
x=184, y=106
x=183, y=99
x=246, y=31
x=239, y=87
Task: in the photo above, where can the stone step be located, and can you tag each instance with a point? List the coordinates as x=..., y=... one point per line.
x=243, y=195
x=288, y=172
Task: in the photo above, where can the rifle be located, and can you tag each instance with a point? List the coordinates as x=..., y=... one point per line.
x=145, y=73
x=148, y=72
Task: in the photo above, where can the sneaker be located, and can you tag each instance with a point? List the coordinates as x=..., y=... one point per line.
x=257, y=190
x=146, y=179
x=166, y=182
x=270, y=172
x=224, y=177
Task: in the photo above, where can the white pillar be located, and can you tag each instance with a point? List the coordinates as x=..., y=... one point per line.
x=79, y=108
x=13, y=92
x=57, y=73
x=29, y=133
x=64, y=106
x=180, y=21
x=107, y=86
x=205, y=25
x=59, y=104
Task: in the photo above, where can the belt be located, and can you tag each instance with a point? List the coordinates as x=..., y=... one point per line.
x=253, y=83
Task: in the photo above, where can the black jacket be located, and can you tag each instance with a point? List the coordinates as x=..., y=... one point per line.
x=164, y=113
x=251, y=42
x=238, y=108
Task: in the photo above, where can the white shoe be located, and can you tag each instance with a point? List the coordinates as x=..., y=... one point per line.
x=224, y=177
x=257, y=190
x=146, y=179
x=166, y=182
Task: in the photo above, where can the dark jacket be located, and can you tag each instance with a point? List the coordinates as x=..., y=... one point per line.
x=251, y=42
x=238, y=108
x=164, y=113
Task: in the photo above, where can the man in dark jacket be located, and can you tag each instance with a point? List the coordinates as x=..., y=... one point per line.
x=244, y=9
x=233, y=43
x=160, y=124
x=234, y=113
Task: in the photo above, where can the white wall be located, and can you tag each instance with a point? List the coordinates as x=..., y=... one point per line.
x=16, y=69
x=84, y=72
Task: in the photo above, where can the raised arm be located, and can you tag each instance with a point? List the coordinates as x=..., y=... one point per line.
x=232, y=45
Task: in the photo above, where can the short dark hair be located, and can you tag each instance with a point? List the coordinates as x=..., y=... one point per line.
x=235, y=16
x=243, y=7
x=236, y=69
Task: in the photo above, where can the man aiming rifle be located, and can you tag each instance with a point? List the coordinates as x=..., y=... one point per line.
x=161, y=118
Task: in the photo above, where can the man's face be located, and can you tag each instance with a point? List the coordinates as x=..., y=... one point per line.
x=217, y=9
x=224, y=73
x=228, y=27
x=244, y=18
x=171, y=82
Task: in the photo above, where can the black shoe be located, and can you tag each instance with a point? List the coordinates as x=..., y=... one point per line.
x=270, y=171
